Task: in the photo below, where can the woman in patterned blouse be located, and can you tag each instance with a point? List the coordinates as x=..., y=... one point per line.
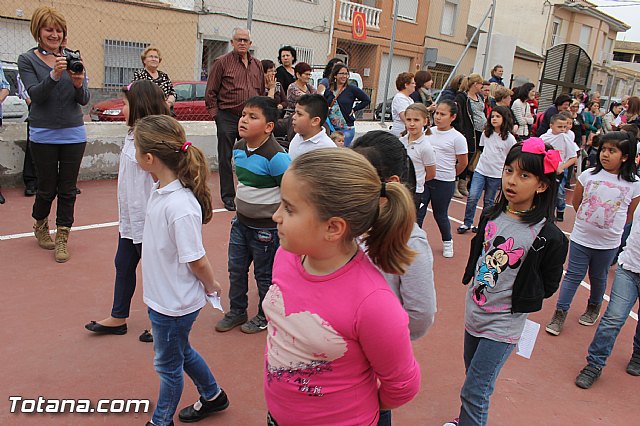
x=151, y=59
x=301, y=86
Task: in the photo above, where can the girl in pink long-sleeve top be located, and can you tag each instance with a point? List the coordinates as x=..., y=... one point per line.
x=338, y=349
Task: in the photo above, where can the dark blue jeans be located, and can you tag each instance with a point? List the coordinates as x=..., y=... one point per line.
x=581, y=259
x=483, y=360
x=248, y=245
x=625, y=292
x=126, y=261
x=174, y=356
x=480, y=183
x=439, y=193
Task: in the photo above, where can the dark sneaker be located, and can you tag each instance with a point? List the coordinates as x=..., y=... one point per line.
x=591, y=315
x=453, y=422
x=588, y=376
x=560, y=216
x=254, y=325
x=230, y=321
x=462, y=229
x=474, y=229
x=203, y=408
x=557, y=322
x=153, y=424
x=633, y=367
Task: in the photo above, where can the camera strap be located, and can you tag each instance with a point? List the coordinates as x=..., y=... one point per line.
x=46, y=52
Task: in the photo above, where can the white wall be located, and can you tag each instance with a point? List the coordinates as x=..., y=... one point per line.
x=501, y=51
x=15, y=39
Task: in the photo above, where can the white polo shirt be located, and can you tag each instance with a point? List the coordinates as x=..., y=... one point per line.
x=172, y=238
x=422, y=155
x=447, y=145
x=299, y=146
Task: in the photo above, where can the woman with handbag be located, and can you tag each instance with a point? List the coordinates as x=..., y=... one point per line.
x=342, y=98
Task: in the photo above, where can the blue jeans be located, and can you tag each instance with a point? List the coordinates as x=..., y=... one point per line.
x=581, y=259
x=349, y=134
x=126, y=261
x=561, y=203
x=483, y=359
x=439, y=193
x=174, y=356
x=480, y=183
x=248, y=245
x=625, y=292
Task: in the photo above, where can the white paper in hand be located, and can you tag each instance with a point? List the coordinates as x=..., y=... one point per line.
x=214, y=299
x=528, y=339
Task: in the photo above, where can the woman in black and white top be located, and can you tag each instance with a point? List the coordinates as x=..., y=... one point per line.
x=522, y=110
x=151, y=58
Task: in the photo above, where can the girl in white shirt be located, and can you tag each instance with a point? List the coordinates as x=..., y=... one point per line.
x=134, y=186
x=497, y=140
x=176, y=273
x=421, y=153
x=451, y=155
x=605, y=198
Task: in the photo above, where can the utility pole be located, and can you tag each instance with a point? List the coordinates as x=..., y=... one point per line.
x=488, y=46
x=393, y=40
x=250, y=15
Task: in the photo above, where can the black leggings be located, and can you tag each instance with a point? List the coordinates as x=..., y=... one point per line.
x=57, y=168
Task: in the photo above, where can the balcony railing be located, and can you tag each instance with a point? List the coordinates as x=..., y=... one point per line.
x=372, y=14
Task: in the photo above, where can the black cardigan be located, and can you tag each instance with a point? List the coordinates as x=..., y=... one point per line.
x=464, y=120
x=540, y=273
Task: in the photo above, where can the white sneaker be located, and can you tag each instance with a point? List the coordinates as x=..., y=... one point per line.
x=447, y=248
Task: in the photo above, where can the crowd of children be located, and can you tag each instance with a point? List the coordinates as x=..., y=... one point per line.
x=320, y=223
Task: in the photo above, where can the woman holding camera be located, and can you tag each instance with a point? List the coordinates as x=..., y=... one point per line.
x=151, y=58
x=57, y=133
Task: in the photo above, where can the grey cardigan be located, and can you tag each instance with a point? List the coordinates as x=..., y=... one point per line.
x=54, y=104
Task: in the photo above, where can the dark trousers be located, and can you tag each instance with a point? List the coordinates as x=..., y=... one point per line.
x=126, y=261
x=57, y=167
x=247, y=245
x=439, y=194
x=227, y=126
x=29, y=167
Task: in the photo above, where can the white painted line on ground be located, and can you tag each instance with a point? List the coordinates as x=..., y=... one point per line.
x=78, y=228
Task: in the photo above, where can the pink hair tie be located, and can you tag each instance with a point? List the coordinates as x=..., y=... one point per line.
x=536, y=146
x=129, y=86
x=185, y=146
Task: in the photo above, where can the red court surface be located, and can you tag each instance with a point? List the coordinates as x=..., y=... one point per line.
x=47, y=352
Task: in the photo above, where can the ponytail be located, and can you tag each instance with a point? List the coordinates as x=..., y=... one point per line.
x=342, y=183
x=387, y=239
x=165, y=138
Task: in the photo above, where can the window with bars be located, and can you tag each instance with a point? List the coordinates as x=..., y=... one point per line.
x=121, y=60
x=303, y=54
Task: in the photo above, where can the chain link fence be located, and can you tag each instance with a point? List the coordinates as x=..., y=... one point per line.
x=191, y=34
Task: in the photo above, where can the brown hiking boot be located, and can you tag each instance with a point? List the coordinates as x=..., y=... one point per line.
x=557, y=322
x=41, y=231
x=591, y=315
x=462, y=187
x=62, y=237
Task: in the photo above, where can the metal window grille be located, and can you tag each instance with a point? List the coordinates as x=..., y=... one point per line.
x=304, y=54
x=121, y=59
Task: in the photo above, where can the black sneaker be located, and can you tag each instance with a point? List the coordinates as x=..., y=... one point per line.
x=153, y=424
x=203, y=408
x=633, y=367
x=462, y=229
x=560, y=216
x=231, y=321
x=588, y=376
x=254, y=325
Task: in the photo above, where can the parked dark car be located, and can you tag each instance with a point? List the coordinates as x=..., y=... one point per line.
x=189, y=105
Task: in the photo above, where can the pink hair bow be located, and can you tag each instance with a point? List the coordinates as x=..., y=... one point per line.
x=514, y=255
x=536, y=146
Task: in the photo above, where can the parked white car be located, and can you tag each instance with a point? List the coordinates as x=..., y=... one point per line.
x=14, y=109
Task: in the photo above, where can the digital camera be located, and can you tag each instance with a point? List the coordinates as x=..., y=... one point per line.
x=74, y=63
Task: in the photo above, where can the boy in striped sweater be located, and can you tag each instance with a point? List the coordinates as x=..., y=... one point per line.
x=260, y=163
